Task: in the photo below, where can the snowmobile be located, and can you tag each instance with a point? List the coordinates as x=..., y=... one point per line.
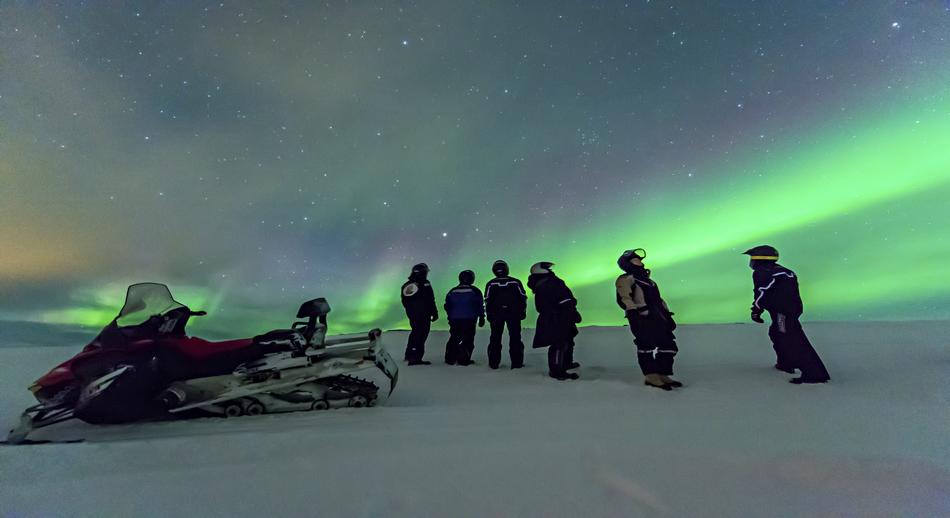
x=143, y=366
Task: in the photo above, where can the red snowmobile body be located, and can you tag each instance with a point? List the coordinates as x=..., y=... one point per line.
x=156, y=349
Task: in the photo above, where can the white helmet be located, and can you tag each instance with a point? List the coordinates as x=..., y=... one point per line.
x=542, y=267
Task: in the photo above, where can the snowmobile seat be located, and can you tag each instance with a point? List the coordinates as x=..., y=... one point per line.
x=193, y=357
x=314, y=311
x=315, y=308
x=199, y=349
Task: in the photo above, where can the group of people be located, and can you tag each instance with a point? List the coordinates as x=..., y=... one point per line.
x=504, y=305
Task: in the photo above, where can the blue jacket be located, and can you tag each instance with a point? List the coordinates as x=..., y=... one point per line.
x=464, y=302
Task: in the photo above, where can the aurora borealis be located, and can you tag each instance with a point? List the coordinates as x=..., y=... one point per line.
x=254, y=155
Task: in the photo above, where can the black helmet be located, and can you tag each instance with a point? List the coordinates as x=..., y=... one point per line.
x=542, y=267
x=762, y=253
x=499, y=268
x=624, y=260
x=466, y=277
x=420, y=269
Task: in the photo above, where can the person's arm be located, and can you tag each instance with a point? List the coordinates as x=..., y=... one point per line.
x=762, y=282
x=488, y=293
x=567, y=304
x=522, y=299
x=480, y=302
x=430, y=300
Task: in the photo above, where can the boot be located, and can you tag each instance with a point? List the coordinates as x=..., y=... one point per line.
x=419, y=362
x=670, y=381
x=563, y=376
x=654, y=380
x=573, y=365
x=802, y=380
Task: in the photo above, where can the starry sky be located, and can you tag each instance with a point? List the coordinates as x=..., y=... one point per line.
x=253, y=155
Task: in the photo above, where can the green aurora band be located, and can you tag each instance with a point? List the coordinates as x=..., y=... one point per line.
x=860, y=212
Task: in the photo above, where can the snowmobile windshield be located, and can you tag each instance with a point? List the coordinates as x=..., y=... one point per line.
x=145, y=300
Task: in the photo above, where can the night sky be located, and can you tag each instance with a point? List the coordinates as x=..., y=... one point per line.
x=255, y=155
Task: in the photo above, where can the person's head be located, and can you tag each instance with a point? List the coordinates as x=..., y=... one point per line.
x=762, y=256
x=419, y=271
x=500, y=268
x=631, y=260
x=466, y=277
x=542, y=268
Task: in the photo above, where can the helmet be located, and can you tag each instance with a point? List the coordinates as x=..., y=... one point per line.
x=420, y=269
x=542, y=267
x=499, y=268
x=466, y=277
x=624, y=260
x=762, y=253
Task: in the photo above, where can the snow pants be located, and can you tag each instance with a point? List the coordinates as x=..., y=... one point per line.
x=416, y=346
x=560, y=356
x=515, y=345
x=793, y=348
x=461, y=344
x=656, y=345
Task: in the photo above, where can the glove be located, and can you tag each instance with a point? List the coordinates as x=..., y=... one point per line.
x=481, y=321
x=523, y=315
x=757, y=315
x=644, y=312
x=434, y=317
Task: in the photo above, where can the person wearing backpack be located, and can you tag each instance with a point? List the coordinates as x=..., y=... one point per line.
x=505, y=304
x=464, y=306
x=651, y=321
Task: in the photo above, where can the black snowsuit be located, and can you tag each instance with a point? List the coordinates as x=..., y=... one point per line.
x=505, y=303
x=650, y=320
x=419, y=301
x=776, y=291
x=557, y=320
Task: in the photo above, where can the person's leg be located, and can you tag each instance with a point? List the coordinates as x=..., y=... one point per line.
x=643, y=338
x=569, y=362
x=515, y=345
x=785, y=358
x=415, y=345
x=665, y=355
x=467, y=342
x=451, y=347
x=494, y=342
x=807, y=359
x=555, y=357
x=645, y=348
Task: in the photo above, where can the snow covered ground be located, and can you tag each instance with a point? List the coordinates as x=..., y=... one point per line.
x=457, y=441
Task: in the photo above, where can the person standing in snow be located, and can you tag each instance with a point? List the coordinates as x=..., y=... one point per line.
x=505, y=303
x=419, y=301
x=464, y=306
x=651, y=321
x=557, y=320
x=776, y=291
